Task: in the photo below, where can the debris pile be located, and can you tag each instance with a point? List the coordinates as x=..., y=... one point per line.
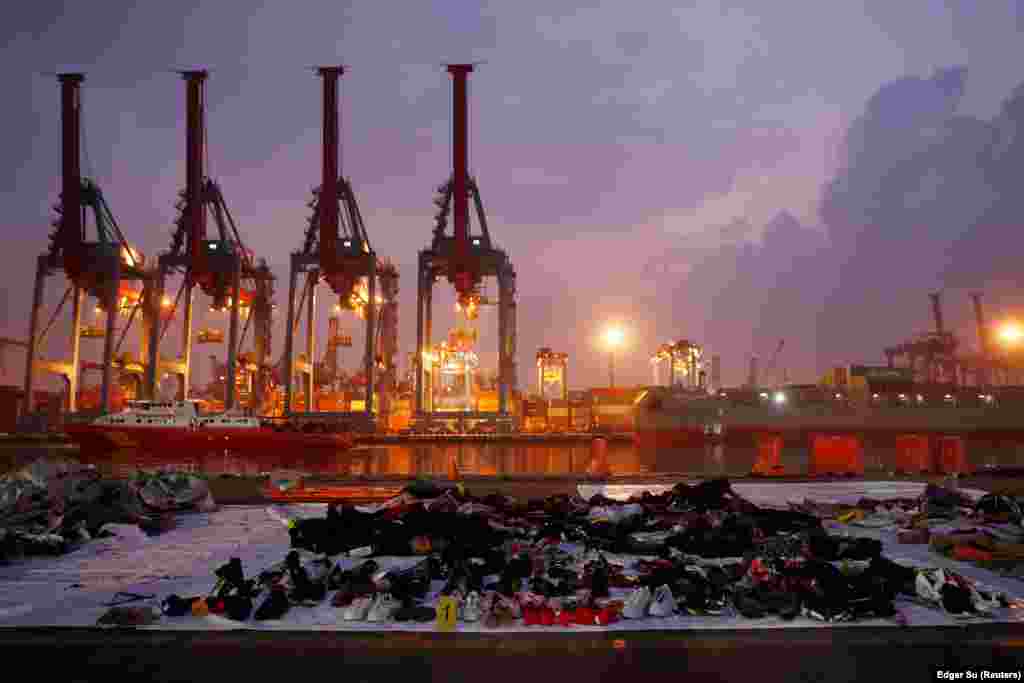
x=562, y=561
x=50, y=506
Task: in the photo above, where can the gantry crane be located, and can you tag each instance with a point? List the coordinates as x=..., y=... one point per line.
x=218, y=266
x=103, y=268
x=685, y=360
x=337, y=251
x=552, y=371
x=773, y=365
x=936, y=349
x=465, y=259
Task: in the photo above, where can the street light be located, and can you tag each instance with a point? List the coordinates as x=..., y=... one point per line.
x=1011, y=333
x=613, y=338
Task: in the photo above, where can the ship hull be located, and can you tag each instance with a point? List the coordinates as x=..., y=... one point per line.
x=169, y=439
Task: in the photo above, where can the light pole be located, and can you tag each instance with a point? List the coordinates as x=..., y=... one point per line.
x=613, y=337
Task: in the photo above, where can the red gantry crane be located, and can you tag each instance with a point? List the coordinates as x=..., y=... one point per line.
x=465, y=259
x=104, y=267
x=219, y=267
x=337, y=251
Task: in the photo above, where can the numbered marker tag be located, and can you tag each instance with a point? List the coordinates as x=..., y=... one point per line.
x=447, y=611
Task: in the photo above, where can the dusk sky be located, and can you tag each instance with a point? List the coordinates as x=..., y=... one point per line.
x=734, y=173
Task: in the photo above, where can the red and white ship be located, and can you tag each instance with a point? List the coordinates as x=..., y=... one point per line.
x=160, y=426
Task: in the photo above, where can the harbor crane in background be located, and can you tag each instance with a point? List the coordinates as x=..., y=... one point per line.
x=930, y=356
x=337, y=251
x=219, y=267
x=773, y=364
x=105, y=267
x=464, y=258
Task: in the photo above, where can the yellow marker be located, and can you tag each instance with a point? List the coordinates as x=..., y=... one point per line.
x=848, y=517
x=291, y=523
x=447, y=611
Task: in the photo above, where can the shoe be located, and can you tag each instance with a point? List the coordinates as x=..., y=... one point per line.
x=274, y=607
x=637, y=603
x=358, y=610
x=237, y=607
x=927, y=589
x=585, y=616
x=176, y=606
x=662, y=603
x=470, y=609
x=607, y=615
x=546, y=616
x=383, y=609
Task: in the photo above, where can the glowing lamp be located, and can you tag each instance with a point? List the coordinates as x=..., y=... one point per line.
x=1011, y=333
x=614, y=336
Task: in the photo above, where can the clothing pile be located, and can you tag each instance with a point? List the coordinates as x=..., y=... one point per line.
x=695, y=550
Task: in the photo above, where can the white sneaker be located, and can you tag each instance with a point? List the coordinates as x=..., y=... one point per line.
x=384, y=608
x=926, y=590
x=358, y=610
x=637, y=603
x=471, y=607
x=663, y=604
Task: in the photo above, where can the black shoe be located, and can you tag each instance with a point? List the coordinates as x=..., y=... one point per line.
x=237, y=607
x=274, y=607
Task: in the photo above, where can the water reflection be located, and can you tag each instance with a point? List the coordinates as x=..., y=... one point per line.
x=494, y=459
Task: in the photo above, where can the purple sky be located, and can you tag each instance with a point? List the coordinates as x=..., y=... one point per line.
x=730, y=172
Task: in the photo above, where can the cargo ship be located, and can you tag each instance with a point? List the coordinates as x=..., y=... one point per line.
x=155, y=426
x=921, y=431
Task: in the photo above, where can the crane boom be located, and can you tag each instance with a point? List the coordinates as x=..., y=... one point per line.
x=775, y=359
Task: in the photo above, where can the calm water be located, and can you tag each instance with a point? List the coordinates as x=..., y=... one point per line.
x=490, y=459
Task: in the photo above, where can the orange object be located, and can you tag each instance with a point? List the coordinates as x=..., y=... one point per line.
x=200, y=608
x=913, y=454
x=769, y=455
x=953, y=456
x=835, y=454
x=599, y=466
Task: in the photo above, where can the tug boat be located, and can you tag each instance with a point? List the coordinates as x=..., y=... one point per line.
x=159, y=426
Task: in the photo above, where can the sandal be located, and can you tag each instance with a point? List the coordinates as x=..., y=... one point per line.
x=126, y=598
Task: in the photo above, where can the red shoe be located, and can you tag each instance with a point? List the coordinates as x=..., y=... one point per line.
x=971, y=554
x=585, y=616
x=566, y=618
x=609, y=615
x=531, y=616
x=547, y=616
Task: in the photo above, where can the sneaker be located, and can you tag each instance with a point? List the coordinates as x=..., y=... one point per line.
x=585, y=616
x=274, y=607
x=471, y=608
x=383, y=609
x=662, y=603
x=637, y=603
x=358, y=610
x=607, y=615
x=927, y=590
